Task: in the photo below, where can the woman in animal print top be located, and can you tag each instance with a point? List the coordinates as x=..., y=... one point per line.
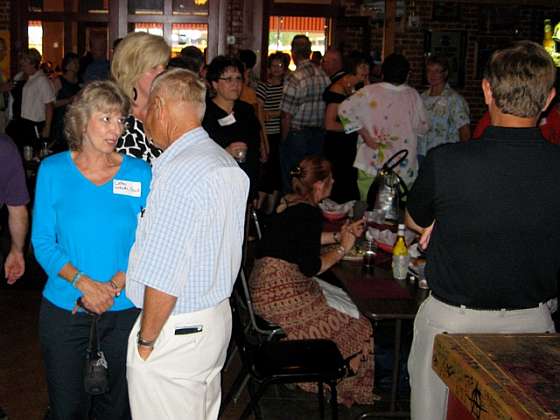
x=138, y=59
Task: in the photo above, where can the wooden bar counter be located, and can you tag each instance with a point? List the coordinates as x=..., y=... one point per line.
x=500, y=376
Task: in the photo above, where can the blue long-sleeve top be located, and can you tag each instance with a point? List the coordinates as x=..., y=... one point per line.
x=92, y=227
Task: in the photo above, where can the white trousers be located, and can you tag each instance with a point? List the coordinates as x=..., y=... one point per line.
x=181, y=377
x=428, y=400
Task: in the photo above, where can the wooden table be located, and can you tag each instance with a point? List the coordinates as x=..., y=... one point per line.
x=379, y=297
x=500, y=376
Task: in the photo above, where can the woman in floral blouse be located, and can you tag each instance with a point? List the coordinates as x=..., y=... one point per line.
x=388, y=116
x=448, y=111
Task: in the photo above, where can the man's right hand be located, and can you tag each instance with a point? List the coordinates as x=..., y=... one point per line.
x=14, y=266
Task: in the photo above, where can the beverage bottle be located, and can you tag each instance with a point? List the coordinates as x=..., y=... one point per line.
x=369, y=257
x=548, y=43
x=400, y=256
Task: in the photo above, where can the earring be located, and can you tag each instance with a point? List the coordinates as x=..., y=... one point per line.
x=134, y=94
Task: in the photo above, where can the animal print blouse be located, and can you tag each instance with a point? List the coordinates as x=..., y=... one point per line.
x=133, y=141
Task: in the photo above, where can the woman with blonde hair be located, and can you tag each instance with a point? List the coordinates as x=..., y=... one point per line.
x=137, y=60
x=282, y=284
x=87, y=204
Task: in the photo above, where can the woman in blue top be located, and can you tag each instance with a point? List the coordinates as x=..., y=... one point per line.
x=87, y=204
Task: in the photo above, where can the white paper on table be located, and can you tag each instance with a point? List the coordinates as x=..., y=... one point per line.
x=338, y=299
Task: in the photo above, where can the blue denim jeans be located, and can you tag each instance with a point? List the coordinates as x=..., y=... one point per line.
x=298, y=144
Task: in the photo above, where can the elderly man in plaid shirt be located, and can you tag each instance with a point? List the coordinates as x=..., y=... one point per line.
x=185, y=259
x=302, y=109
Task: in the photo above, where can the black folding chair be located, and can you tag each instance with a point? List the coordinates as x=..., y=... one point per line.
x=289, y=361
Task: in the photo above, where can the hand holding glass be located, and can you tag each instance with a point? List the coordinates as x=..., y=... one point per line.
x=238, y=150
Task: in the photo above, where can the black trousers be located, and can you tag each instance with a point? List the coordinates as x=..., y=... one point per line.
x=340, y=150
x=64, y=338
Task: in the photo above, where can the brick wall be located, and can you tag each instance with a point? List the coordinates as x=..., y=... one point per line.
x=486, y=27
x=235, y=25
x=4, y=15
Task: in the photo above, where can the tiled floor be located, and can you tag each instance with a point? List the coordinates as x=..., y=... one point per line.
x=22, y=385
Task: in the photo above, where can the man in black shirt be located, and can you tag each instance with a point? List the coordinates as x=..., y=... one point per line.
x=492, y=210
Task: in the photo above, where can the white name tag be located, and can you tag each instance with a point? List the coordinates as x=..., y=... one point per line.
x=229, y=120
x=130, y=188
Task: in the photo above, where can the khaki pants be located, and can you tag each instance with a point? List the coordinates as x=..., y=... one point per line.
x=181, y=377
x=428, y=400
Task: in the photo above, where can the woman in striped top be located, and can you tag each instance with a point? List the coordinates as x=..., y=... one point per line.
x=269, y=93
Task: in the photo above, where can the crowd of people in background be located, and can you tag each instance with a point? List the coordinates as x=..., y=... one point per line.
x=331, y=104
x=215, y=138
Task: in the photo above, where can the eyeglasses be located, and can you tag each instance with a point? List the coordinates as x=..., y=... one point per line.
x=236, y=79
x=279, y=65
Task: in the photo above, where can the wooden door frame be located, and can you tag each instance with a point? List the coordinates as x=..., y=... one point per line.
x=117, y=20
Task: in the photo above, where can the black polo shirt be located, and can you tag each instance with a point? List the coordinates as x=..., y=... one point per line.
x=496, y=202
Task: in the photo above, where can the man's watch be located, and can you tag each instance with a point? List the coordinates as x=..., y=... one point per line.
x=145, y=343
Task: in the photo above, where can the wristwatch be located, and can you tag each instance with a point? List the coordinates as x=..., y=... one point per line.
x=145, y=343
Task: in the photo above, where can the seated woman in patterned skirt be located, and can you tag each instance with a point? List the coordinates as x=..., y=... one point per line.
x=282, y=285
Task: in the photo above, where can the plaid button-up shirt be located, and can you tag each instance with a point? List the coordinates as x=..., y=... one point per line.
x=188, y=242
x=303, y=96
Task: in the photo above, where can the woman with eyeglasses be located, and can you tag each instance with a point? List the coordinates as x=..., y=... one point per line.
x=229, y=121
x=87, y=204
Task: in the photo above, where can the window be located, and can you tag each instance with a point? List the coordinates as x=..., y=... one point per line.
x=282, y=29
x=151, y=28
x=184, y=34
x=190, y=7
x=35, y=35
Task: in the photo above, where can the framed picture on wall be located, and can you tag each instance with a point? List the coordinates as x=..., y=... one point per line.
x=452, y=45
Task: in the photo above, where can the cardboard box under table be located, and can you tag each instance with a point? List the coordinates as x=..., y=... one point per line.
x=500, y=376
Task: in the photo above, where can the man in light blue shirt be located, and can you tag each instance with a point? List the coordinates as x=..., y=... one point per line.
x=185, y=260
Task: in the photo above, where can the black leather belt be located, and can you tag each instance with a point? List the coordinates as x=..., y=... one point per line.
x=481, y=308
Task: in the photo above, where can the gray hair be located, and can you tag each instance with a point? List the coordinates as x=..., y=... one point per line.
x=181, y=85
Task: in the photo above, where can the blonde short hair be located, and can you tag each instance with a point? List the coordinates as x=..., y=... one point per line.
x=105, y=96
x=181, y=85
x=136, y=54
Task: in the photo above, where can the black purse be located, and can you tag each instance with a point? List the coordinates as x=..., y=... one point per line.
x=96, y=372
